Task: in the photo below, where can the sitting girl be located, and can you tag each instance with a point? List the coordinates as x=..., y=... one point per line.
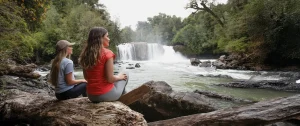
x=97, y=63
x=62, y=73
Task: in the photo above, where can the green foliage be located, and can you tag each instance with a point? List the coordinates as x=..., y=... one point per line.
x=267, y=31
x=165, y=26
x=237, y=46
x=127, y=35
x=78, y=23
x=278, y=25
x=158, y=29
x=34, y=26
x=13, y=30
x=198, y=34
x=33, y=11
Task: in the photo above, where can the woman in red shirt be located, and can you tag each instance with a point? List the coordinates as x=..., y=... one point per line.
x=97, y=63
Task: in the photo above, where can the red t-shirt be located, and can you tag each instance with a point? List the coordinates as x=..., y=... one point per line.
x=95, y=76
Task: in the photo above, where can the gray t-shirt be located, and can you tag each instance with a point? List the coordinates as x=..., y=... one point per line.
x=66, y=67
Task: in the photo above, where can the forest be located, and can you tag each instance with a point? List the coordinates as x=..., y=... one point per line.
x=264, y=32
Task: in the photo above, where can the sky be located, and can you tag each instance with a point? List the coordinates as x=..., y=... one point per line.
x=129, y=12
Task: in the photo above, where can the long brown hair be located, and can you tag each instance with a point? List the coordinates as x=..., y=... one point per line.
x=60, y=54
x=91, y=52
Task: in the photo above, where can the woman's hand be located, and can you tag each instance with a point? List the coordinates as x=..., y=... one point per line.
x=83, y=81
x=122, y=76
x=70, y=81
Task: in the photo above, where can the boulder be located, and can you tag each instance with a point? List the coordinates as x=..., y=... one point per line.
x=137, y=65
x=205, y=64
x=195, y=61
x=26, y=101
x=163, y=103
x=31, y=109
x=34, y=86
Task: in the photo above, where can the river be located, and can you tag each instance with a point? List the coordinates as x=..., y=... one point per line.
x=176, y=70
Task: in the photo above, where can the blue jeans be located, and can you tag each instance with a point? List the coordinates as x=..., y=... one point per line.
x=76, y=91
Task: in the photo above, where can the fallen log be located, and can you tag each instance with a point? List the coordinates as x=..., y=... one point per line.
x=30, y=109
x=261, y=113
x=20, y=70
x=134, y=95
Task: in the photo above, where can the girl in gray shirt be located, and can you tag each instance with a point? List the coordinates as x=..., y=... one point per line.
x=62, y=73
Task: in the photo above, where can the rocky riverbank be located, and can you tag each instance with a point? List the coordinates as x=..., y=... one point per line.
x=240, y=62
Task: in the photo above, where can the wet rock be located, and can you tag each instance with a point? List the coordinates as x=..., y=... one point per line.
x=130, y=67
x=217, y=76
x=219, y=64
x=137, y=65
x=35, y=86
x=222, y=58
x=281, y=85
x=205, y=64
x=233, y=61
x=195, y=61
x=224, y=97
x=163, y=103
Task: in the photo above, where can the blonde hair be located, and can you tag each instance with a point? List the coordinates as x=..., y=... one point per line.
x=92, y=49
x=55, y=67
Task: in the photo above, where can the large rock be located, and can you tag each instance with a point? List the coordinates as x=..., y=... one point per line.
x=206, y=64
x=34, y=86
x=195, y=61
x=233, y=61
x=25, y=101
x=25, y=108
x=163, y=103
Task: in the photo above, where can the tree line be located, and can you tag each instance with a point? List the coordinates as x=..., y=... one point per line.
x=261, y=31
x=29, y=29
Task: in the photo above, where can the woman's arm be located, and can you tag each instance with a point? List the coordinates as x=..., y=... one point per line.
x=70, y=81
x=109, y=71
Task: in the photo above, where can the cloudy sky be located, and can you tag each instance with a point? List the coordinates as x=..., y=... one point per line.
x=129, y=12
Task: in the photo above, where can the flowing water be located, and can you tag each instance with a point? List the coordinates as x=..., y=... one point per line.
x=162, y=63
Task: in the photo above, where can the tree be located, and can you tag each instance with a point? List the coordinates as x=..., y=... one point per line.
x=205, y=7
x=127, y=35
x=14, y=33
x=33, y=11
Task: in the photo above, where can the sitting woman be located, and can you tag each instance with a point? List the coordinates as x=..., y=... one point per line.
x=62, y=73
x=97, y=63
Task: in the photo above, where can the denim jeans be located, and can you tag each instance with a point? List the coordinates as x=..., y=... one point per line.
x=76, y=91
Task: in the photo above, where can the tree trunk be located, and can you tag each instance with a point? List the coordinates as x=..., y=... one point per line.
x=261, y=113
x=205, y=8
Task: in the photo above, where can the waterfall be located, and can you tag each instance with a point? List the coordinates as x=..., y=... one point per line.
x=142, y=51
